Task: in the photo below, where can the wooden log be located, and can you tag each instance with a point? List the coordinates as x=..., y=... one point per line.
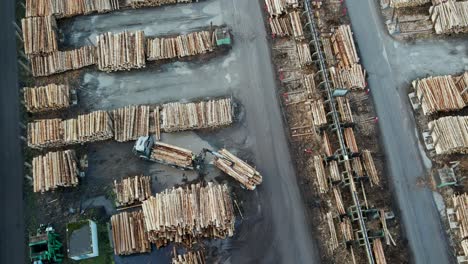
x=129, y=233
x=132, y=190
x=46, y=98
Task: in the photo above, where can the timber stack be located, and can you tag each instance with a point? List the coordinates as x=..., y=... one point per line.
x=182, y=215
x=121, y=51
x=352, y=77
x=303, y=52
x=369, y=166
x=201, y=115
x=62, y=61
x=248, y=176
x=378, y=251
x=350, y=140
x=46, y=98
x=66, y=8
x=151, y=3
x=45, y=133
x=344, y=108
x=191, y=257
x=55, y=169
x=280, y=26
x=191, y=44
x=320, y=173
x=169, y=154
x=440, y=94
x=39, y=35
x=128, y=233
x=318, y=112
x=296, y=23
x=275, y=7
x=460, y=205
x=95, y=126
x=450, y=134
x=408, y=3
x=131, y=122
x=132, y=190
x=450, y=17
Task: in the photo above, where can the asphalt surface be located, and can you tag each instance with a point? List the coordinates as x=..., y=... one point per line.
x=11, y=199
x=391, y=66
x=275, y=230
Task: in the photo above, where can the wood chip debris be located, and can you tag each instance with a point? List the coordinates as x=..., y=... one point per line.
x=132, y=190
x=46, y=98
x=182, y=215
x=248, y=176
x=55, y=169
x=128, y=233
x=201, y=115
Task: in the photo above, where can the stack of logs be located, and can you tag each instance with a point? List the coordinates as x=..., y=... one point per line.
x=169, y=154
x=238, y=169
x=275, y=7
x=369, y=166
x=460, y=205
x=352, y=77
x=440, y=94
x=39, y=35
x=350, y=140
x=45, y=133
x=61, y=61
x=450, y=17
x=205, y=114
x=95, y=126
x=303, y=52
x=191, y=257
x=378, y=252
x=280, y=26
x=183, y=215
x=132, y=190
x=318, y=112
x=296, y=23
x=46, y=98
x=345, y=110
x=55, y=169
x=320, y=173
x=66, y=8
x=408, y=3
x=128, y=233
x=150, y=3
x=131, y=122
x=450, y=134
x=121, y=51
x=191, y=44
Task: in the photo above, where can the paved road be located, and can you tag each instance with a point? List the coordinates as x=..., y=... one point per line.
x=391, y=66
x=11, y=218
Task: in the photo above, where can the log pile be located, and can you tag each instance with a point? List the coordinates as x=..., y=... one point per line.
x=408, y=3
x=152, y=3
x=333, y=240
x=369, y=166
x=66, y=8
x=191, y=44
x=46, y=98
x=439, y=94
x=275, y=7
x=39, y=35
x=462, y=83
x=121, y=51
x=460, y=204
x=296, y=24
x=248, y=176
x=378, y=252
x=303, y=52
x=61, y=61
x=131, y=122
x=55, y=169
x=450, y=17
x=350, y=140
x=343, y=46
x=318, y=112
x=95, y=126
x=35, y=8
x=280, y=26
x=128, y=233
x=309, y=84
x=45, y=133
x=187, y=116
x=155, y=123
x=184, y=214
x=191, y=257
x=352, y=77
x=172, y=155
x=321, y=175
x=132, y=190
x=450, y=134
x=345, y=110
x=335, y=174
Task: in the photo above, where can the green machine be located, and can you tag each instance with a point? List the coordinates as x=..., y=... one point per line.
x=223, y=36
x=44, y=246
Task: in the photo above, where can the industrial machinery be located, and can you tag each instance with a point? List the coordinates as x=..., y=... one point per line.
x=44, y=246
x=223, y=37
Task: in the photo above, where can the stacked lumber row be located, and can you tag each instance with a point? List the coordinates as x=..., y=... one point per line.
x=129, y=233
x=335, y=174
x=296, y=24
x=200, y=115
x=45, y=133
x=309, y=84
x=320, y=173
x=462, y=84
x=327, y=49
x=460, y=204
x=345, y=110
x=169, y=154
x=121, y=51
x=378, y=252
x=352, y=77
x=155, y=123
x=407, y=3
x=95, y=126
x=292, y=3
x=61, y=61
x=303, y=52
x=150, y=3
x=450, y=17
x=39, y=35
x=369, y=166
x=343, y=46
x=46, y=98
x=184, y=214
x=450, y=134
x=67, y=8
x=318, y=112
x=191, y=44
x=350, y=140
x=191, y=257
x=439, y=94
x=280, y=26
x=131, y=122
x=275, y=7
x=333, y=240
x=132, y=190
x=55, y=169
x=248, y=176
